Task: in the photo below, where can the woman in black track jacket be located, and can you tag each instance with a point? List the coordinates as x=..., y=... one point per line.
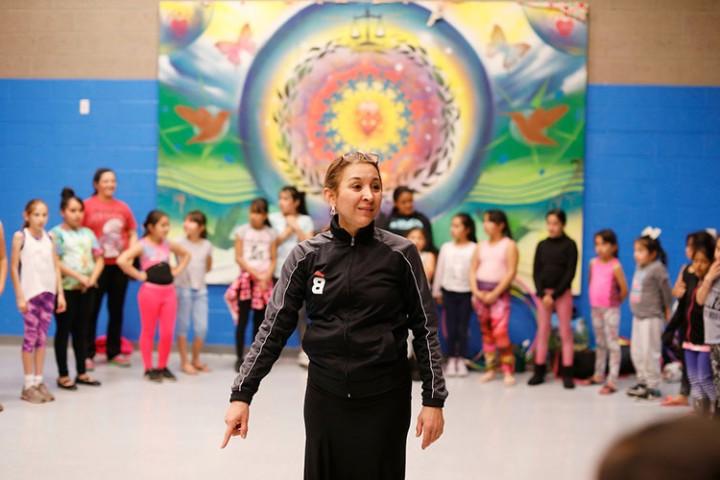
x=364, y=288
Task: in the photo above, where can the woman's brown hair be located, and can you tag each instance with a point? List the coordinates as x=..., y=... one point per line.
x=338, y=166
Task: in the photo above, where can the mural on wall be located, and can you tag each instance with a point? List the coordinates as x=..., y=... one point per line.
x=475, y=105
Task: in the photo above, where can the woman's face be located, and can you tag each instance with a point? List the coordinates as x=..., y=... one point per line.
x=358, y=196
x=287, y=205
x=106, y=185
x=717, y=250
x=404, y=204
x=73, y=214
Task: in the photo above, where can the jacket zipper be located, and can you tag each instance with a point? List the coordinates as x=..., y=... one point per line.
x=347, y=321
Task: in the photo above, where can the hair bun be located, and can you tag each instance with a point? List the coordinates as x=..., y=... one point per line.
x=67, y=192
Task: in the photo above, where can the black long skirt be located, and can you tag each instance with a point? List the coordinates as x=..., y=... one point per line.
x=363, y=439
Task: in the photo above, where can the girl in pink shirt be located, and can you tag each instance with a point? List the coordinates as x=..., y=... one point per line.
x=156, y=298
x=492, y=270
x=608, y=289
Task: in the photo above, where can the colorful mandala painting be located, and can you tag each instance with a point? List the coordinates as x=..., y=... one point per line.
x=474, y=105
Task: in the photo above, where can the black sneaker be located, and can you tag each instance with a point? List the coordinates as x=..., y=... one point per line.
x=636, y=390
x=166, y=374
x=650, y=394
x=153, y=375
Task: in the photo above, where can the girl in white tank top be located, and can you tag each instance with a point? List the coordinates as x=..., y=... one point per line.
x=35, y=273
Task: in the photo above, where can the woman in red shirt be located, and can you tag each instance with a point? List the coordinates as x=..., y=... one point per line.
x=115, y=227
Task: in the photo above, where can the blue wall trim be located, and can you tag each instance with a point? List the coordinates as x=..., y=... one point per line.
x=653, y=158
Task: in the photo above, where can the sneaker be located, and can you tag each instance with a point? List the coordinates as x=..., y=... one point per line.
x=32, y=395
x=120, y=361
x=636, y=390
x=167, y=375
x=303, y=359
x=450, y=368
x=89, y=365
x=45, y=392
x=651, y=394
x=153, y=375
x=460, y=367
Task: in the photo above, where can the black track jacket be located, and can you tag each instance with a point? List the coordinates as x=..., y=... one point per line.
x=362, y=295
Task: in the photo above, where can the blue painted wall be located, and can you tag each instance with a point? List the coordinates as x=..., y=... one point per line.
x=653, y=157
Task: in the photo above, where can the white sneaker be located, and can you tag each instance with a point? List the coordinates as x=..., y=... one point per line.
x=460, y=367
x=303, y=359
x=450, y=369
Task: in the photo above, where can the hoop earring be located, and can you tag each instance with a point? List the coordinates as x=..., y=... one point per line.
x=332, y=210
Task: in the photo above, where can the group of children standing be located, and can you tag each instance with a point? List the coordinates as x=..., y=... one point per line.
x=58, y=273
x=689, y=327
x=66, y=271
x=478, y=275
x=469, y=275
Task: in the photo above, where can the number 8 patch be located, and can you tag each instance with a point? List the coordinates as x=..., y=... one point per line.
x=318, y=285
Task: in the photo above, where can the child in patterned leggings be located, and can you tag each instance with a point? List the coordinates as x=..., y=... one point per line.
x=608, y=289
x=492, y=270
x=35, y=272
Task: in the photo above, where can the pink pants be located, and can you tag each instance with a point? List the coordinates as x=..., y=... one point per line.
x=157, y=303
x=564, y=307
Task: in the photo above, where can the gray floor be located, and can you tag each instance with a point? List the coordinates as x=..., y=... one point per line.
x=130, y=428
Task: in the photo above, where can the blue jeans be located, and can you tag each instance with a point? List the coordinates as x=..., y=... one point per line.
x=192, y=305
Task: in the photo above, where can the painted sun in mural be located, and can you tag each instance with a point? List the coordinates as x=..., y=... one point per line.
x=371, y=84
